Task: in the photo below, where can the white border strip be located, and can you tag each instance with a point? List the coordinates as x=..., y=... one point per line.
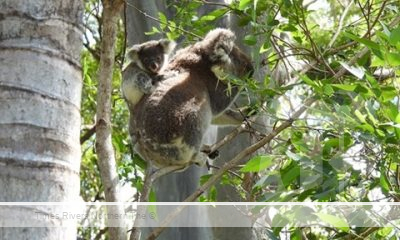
x=205, y=203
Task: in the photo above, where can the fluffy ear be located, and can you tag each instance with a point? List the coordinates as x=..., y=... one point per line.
x=168, y=45
x=132, y=52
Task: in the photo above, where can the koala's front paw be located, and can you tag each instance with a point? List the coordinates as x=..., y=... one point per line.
x=144, y=83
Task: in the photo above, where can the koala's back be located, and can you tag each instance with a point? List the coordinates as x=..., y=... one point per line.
x=170, y=121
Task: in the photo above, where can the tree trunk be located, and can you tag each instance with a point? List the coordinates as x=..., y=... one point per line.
x=40, y=93
x=104, y=148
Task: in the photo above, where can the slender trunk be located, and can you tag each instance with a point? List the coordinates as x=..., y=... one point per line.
x=104, y=148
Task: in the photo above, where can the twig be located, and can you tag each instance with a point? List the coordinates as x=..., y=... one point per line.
x=341, y=21
x=89, y=133
x=379, y=14
x=230, y=172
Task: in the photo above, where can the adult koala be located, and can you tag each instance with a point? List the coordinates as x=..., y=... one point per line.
x=170, y=122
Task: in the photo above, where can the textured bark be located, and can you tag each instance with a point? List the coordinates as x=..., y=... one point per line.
x=40, y=92
x=104, y=148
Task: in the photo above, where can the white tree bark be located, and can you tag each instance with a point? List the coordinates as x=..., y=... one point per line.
x=40, y=92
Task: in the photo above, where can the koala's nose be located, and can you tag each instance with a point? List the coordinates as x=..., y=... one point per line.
x=154, y=67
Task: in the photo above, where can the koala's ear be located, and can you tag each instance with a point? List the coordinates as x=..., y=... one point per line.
x=168, y=45
x=132, y=52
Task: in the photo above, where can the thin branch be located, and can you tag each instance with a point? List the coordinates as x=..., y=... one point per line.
x=227, y=138
x=230, y=171
x=89, y=133
x=341, y=21
x=92, y=51
x=378, y=16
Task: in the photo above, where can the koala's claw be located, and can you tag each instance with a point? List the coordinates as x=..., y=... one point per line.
x=213, y=155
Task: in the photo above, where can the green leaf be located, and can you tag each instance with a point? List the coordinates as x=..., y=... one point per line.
x=366, y=42
x=289, y=28
x=360, y=116
x=388, y=93
x=279, y=222
x=163, y=20
x=265, y=47
x=372, y=81
x=207, y=18
x=250, y=40
x=385, y=231
x=290, y=173
x=336, y=222
x=205, y=178
x=393, y=59
x=257, y=164
x=345, y=87
x=311, y=83
x=366, y=128
x=243, y=4
x=328, y=90
x=394, y=37
x=384, y=181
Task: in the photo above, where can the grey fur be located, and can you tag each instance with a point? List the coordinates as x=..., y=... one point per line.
x=146, y=62
x=169, y=123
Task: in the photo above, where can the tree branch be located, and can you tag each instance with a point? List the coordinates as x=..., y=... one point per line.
x=89, y=133
x=104, y=148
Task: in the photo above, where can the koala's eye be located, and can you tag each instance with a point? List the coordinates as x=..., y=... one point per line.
x=158, y=58
x=146, y=61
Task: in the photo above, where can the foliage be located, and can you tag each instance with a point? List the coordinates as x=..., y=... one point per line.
x=344, y=148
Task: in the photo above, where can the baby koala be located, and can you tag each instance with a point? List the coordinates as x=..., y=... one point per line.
x=146, y=62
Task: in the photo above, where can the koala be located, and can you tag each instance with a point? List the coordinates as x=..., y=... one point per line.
x=144, y=69
x=170, y=122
